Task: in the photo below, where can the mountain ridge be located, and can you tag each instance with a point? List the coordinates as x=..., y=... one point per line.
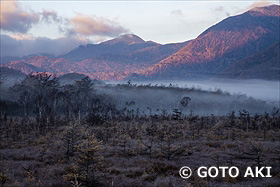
x=123, y=44
x=107, y=63
x=130, y=57
x=216, y=48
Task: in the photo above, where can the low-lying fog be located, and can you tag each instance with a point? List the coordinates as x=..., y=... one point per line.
x=259, y=89
x=205, y=97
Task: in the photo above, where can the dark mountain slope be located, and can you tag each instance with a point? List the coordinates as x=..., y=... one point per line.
x=123, y=44
x=109, y=60
x=220, y=46
x=264, y=65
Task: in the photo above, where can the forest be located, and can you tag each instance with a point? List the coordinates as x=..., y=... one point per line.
x=88, y=133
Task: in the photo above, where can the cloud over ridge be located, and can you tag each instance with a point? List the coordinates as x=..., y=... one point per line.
x=14, y=18
x=17, y=20
x=93, y=25
x=17, y=45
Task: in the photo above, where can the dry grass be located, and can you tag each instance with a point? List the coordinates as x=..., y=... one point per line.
x=140, y=152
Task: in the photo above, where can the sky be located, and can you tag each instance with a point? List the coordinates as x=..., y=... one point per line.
x=56, y=27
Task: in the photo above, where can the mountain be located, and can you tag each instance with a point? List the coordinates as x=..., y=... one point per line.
x=6, y=59
x=123, y=44
x=110, y=60
x=127, y=39
x=220, y=46
x=234, y=40
x=263, y=65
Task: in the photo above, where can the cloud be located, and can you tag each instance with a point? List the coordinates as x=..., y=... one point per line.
x=93, y=25
x=17, y=45
x=50, y=17
x=221, y=9
x=22, y=36
x=14, y=18
x=177, y=13
x=259, y=4
x=17, y=21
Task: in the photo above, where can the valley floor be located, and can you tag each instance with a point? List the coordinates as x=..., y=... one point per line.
x=138, y=151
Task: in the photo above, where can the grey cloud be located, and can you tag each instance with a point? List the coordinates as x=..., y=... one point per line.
x=94, y=26
x=50, y=16
x=15, y=19
x=13, y=47
x=221, y=9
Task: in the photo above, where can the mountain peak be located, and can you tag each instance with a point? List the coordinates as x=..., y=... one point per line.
x=220, y=46
x=272, y=10
x=126, y=38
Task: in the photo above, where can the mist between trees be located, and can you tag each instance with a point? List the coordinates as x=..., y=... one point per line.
x=42, y=94
x=88, y=133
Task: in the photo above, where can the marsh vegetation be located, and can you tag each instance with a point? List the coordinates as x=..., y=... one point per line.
x=92, y=134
